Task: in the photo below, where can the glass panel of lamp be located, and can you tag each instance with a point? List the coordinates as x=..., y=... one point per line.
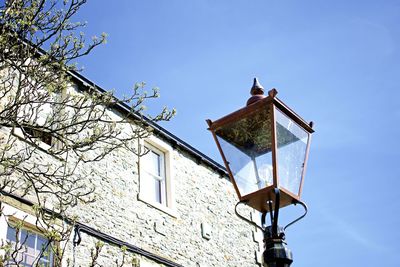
x=291, y=151
x=247, y=146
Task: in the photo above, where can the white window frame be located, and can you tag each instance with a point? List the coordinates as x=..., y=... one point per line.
x=12, y=216
x=167, y=205
x=161, y=178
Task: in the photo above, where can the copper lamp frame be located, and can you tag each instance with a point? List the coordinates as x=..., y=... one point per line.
x=261, y=199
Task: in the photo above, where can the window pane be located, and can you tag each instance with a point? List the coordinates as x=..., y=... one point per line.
x=157, y=190
x=152, y=163
x=29, y=260
x=11, y=234
x=43, y=263
x=43, y=247
x=32, y=245
x=153, y=187
x=28, y=241
x=153, y=176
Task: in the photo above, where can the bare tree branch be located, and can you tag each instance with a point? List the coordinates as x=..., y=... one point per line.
x=51, y=129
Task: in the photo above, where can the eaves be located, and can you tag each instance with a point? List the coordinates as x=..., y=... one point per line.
x=158, y=130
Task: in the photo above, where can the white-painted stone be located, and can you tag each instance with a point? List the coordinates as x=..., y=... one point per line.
x=200, y=195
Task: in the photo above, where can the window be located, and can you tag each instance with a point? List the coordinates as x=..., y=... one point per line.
x=155, y=176
x=43, y=136
x=32, y=248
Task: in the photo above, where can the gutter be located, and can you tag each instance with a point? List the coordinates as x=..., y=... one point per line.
x=80, y=227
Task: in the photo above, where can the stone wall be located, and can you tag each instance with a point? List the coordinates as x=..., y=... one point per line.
x=202, y=199
x=203, y=202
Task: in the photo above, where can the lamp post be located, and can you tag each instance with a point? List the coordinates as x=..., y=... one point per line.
x=265, y=148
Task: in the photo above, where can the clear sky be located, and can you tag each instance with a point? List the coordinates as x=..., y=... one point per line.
x=336, y=63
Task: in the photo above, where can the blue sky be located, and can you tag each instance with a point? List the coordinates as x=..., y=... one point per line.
x=334, y=62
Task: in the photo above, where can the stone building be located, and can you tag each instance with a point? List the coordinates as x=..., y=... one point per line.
x=172, y=207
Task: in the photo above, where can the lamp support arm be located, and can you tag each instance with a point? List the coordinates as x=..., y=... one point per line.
x=276, y=212
x=244, y=218
x=275, y=231
x=273, y=212
x=299, y=218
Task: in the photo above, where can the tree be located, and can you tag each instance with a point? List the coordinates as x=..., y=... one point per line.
x=42, y=112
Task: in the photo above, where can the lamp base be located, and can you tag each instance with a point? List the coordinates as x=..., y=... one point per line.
x=276, y=253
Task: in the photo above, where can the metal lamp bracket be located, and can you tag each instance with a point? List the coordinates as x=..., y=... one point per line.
x=276, y=252
x=299, y=218
x=244, y=218
x=274, y=214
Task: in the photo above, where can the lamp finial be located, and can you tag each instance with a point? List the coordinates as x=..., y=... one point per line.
x=256, y=91
x=257, y=88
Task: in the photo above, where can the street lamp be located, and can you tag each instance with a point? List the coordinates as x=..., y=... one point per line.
x=265, y=148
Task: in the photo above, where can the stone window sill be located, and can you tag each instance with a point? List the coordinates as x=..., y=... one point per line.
x=168, y=210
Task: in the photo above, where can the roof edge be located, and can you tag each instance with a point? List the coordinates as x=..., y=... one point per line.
x=160, y=131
